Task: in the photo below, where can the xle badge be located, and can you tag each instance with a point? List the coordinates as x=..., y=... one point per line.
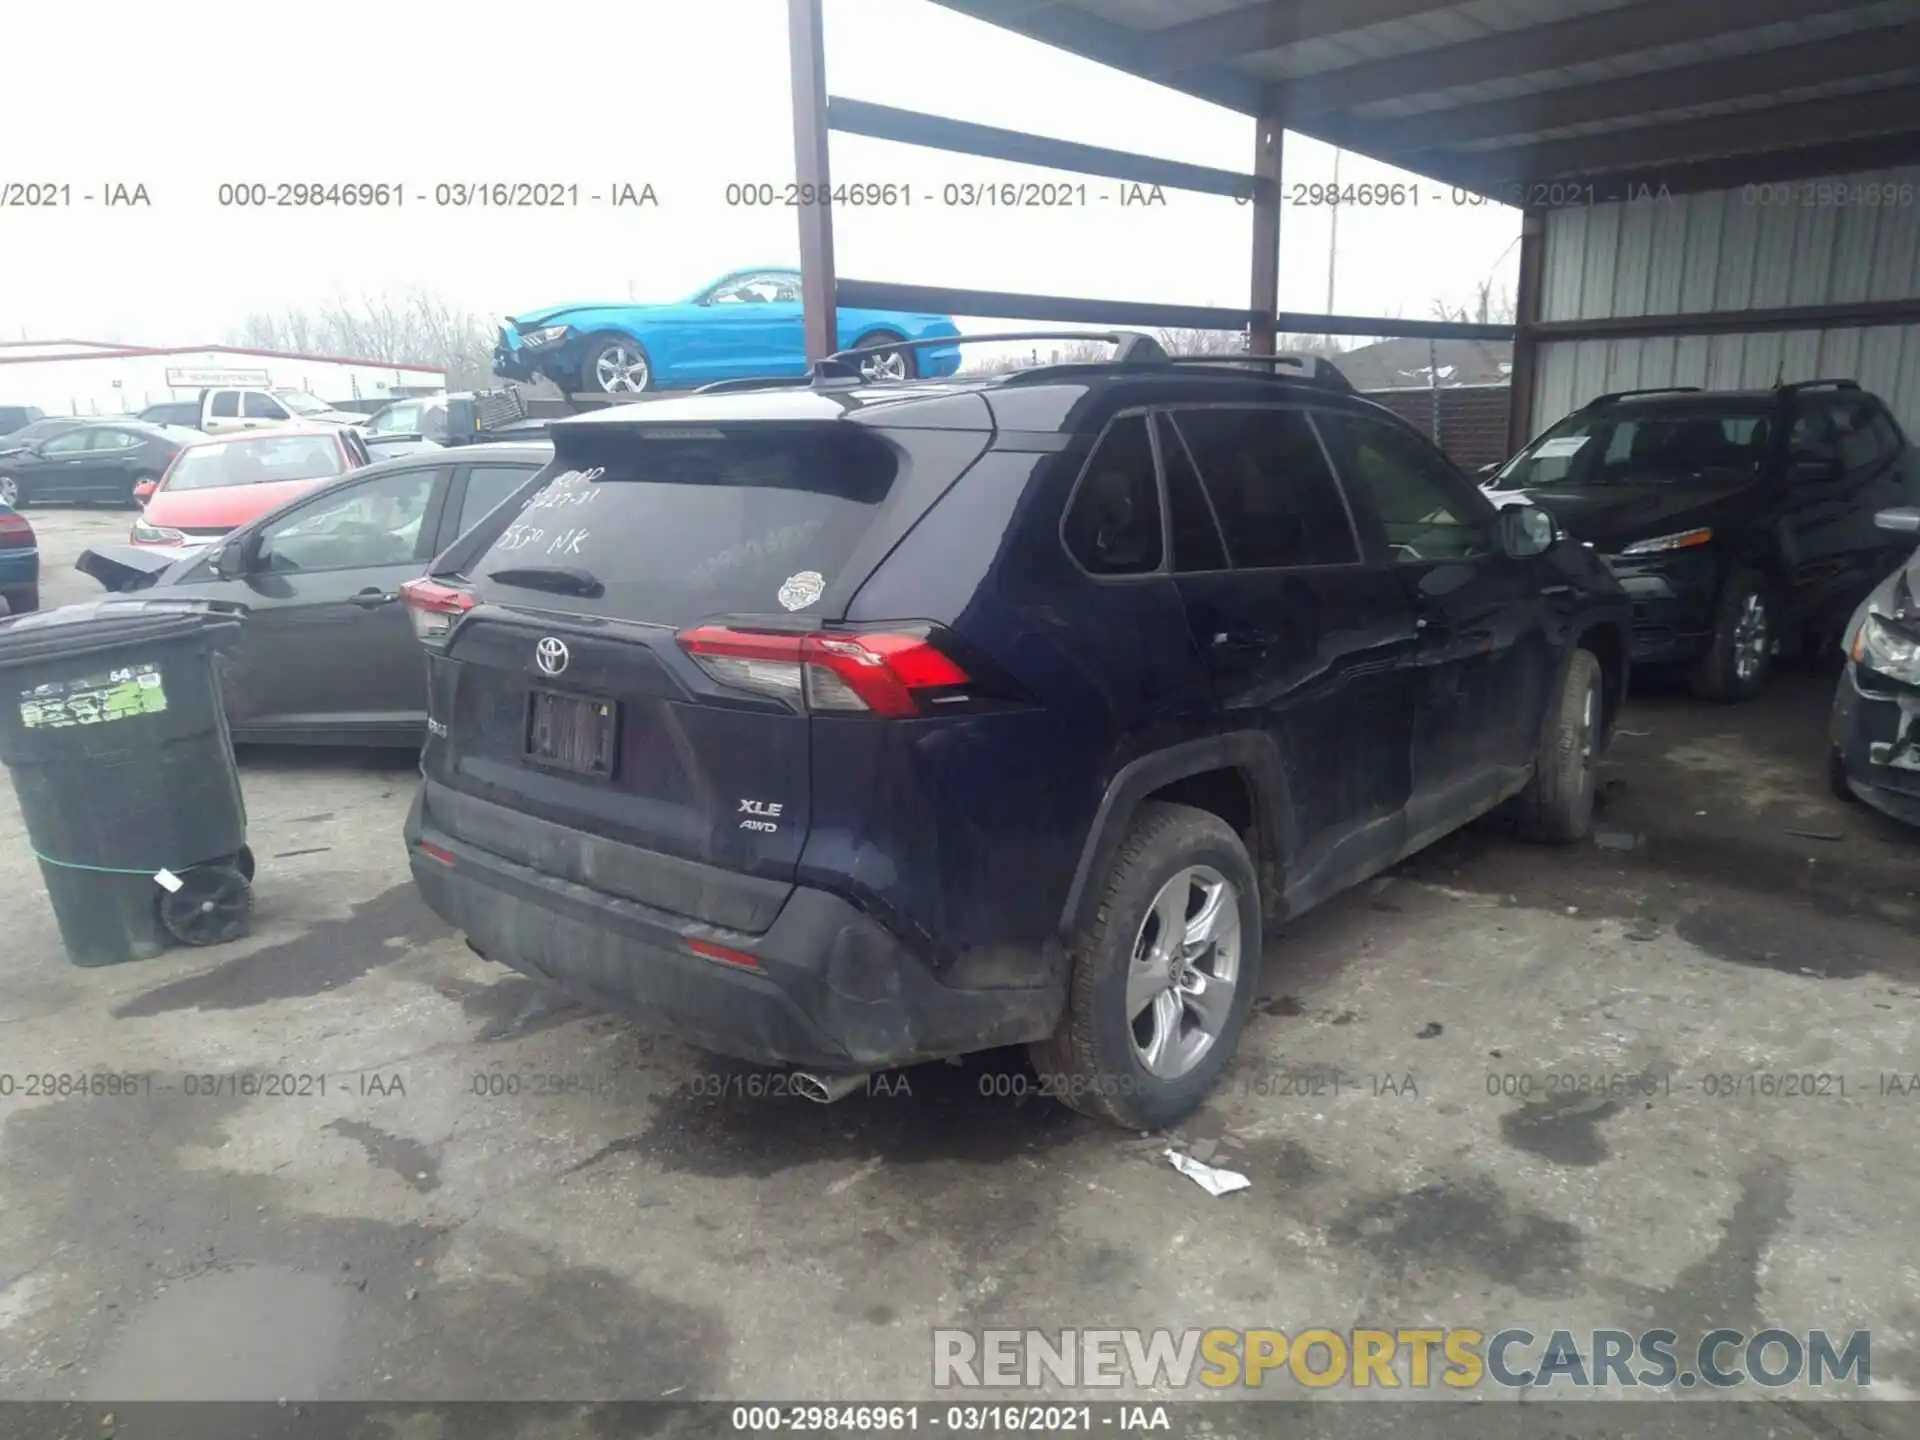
x=762, y=816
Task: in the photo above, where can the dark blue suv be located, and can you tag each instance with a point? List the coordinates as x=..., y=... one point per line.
x=850, y=724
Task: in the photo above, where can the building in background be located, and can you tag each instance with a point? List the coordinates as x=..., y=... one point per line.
x=92, y=377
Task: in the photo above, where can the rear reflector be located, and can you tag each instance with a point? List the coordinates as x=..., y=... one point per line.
x=434, y=852
x=434, y=607
x=879, y=674
x=723, y=954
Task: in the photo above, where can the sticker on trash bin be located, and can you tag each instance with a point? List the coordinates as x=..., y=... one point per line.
x=167, y=880
x=96, y=700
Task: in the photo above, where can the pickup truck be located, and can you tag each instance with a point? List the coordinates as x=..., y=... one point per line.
x=246, y=408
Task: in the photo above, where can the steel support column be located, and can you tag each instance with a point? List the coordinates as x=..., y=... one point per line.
x=807, y=60
x=1264, y=295
x=1526, y=341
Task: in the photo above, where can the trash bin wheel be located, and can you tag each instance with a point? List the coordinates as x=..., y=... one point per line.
x=212, y=906
x=243, y=862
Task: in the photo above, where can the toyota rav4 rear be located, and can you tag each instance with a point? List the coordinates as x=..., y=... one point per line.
x=663, y=756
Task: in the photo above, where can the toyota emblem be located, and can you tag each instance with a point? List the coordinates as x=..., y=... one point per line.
x=551, y=655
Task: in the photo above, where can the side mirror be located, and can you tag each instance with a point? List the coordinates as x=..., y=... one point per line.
x=1526, y=531
x=1905, y=520
x=1818, y=472
x=231, y=560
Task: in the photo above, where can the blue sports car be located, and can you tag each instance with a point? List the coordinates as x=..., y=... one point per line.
x=745, y=324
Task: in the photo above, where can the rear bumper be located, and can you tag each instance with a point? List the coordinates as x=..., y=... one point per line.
x=19, y=568
x=829, y=987
x=1867, y=731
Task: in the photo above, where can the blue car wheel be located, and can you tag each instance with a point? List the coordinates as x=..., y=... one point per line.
x=889, y=365
x=615, y=365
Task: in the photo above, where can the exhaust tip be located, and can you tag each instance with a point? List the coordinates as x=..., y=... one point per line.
x=825, y=1089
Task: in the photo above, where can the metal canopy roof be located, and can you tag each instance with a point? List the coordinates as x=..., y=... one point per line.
x=1505, y=95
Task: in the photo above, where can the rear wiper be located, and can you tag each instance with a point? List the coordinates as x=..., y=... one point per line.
x=555, y=578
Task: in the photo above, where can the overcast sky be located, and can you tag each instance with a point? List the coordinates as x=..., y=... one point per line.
x=685, y=97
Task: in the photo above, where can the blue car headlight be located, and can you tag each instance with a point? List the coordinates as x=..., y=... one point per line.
x=1892, y=653
x=544, y=336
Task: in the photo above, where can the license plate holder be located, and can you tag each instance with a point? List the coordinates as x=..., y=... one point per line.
x=576, y=733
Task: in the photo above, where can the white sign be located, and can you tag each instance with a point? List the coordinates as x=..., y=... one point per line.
x=194, y=379
x=1562, y=447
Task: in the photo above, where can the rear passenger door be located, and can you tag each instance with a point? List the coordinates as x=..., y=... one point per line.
x=1303, y=636
x=1483, y=662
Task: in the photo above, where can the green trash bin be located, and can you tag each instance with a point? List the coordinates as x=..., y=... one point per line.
x=112, y=728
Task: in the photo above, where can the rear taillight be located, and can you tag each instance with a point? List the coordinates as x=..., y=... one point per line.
x=15, y=531
x=435, y=608
x=881, y=674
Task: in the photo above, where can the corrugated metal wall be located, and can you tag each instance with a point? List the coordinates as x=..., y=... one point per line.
x=1756, y=247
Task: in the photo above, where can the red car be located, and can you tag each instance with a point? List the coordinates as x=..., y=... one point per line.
x=219, y=483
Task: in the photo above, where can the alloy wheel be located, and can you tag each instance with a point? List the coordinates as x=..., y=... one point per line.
x=9, y=490
x=889, y=365
x=1185, y=964
x=621, y=370
x=1752, y=638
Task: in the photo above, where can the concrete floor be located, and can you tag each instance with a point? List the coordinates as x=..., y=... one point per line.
x=617, y=1232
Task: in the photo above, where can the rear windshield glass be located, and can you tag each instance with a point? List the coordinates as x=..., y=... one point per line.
x=255, y=461
x=675, y=530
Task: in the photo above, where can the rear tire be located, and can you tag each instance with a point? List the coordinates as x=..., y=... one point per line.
x=1557, y=804
x=893, y=365
x=23, y=602
x=1739, y=656
x=1175, y=860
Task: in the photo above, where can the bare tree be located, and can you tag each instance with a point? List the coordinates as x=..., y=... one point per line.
x=1184, y=341
x=415, y=328
x=1488, y=308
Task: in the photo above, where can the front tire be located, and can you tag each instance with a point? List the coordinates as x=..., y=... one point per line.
x=1163, y=975
x=1557, y=804
x=616, y=365
x=10, y=493
x=889, y=365
x=1739, y=658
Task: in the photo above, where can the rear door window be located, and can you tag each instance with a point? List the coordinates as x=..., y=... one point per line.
x=487, y=486
x=1278, y=503
x=1112, y=525
x=226, y=405
x=683, y=527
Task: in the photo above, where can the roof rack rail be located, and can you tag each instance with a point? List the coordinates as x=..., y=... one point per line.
x=749, y=382
x=1797, y=386
x=1130, y=347
x=1315, y=369
x=1614, y=395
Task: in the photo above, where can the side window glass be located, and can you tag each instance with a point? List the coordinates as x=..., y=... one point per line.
x=1814, y=436
x=1113, y=522
x=226, y=405
x=67, y=444
x=377, y=523
x=487, y=486
x=1197, y=545
x=1886, y=435
x=1417, y=500
x=255, y=406
x=113, y=440
x=1278, y=503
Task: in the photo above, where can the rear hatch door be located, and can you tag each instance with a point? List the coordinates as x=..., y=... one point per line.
x=568, y=699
